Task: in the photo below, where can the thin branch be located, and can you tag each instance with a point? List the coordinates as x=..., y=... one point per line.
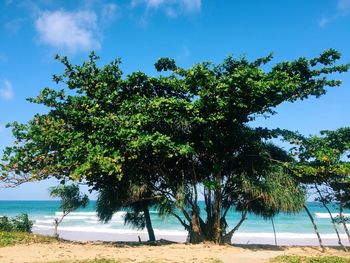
x=183, y=222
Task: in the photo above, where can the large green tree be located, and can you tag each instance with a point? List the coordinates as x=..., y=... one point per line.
x=323, y=164
x=176, y=134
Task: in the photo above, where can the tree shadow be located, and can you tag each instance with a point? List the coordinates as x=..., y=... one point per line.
x=164, y=242
x=256, y=247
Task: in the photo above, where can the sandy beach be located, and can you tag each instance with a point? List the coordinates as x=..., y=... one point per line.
x=128, y=252
x=283, y=239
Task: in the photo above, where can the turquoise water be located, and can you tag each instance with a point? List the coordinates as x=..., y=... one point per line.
x=86, y=221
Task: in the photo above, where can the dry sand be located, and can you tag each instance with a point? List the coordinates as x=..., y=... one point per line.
x=70, y=251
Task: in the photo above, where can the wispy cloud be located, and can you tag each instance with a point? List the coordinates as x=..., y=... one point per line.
x=71, y=31
x=6, y=90
x=342, y=9
x=343, y=6
x=186, y=51
x=14, y=25
x=109, y=12
x=3, y=57
x=171, y=8
x=323, y=21
x=183, y=54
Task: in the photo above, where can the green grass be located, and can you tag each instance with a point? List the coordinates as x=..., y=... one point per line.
x=14, y=238
x=299, y=259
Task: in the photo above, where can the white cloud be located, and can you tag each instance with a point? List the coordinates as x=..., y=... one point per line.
x=71, y=31
x=6, y=90
x=171, y=7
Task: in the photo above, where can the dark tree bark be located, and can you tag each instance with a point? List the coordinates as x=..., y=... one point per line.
x=228, y=237
x=195, y=232
x=149, y=226
x=217, y=235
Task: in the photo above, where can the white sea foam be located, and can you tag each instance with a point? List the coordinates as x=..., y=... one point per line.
x=82, y=219
x=92, y=221
x=78, y=213
x=44, y=221
x=69, y=217
x=287, y=235
x=326, y=215
x=104, y=229
x=89, y=217
x=173, y=232
x=120, y=213
x=42, y=226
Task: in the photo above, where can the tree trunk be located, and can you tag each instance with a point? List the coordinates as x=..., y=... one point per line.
x=332, y=218
x=334, y=226
x=149, y=227
x=55, y=231
x=228, y=237
x=315, y=227
x=57, y=222
x=217, y=232
x=274, y=230
x=343, y=221
x=195, y=233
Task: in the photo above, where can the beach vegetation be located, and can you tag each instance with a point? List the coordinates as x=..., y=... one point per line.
x=20, y=223
x=167, y=140
x=133, y=198
x=70, y=200
x=16, y=238
x=324, y=167
x=303, y=259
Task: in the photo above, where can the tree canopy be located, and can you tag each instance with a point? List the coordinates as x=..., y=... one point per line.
x=173, y=136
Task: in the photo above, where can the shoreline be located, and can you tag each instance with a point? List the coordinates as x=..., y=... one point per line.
x=160, y=252
x=283, y=239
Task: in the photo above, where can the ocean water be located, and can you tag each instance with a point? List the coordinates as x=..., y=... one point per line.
x=83, y=224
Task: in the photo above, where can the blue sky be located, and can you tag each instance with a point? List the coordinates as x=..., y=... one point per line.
x=190, y=31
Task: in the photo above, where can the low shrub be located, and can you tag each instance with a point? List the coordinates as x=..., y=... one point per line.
x=300, y=259
x=5, y=224
x=15, y=238
x=20, y=223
